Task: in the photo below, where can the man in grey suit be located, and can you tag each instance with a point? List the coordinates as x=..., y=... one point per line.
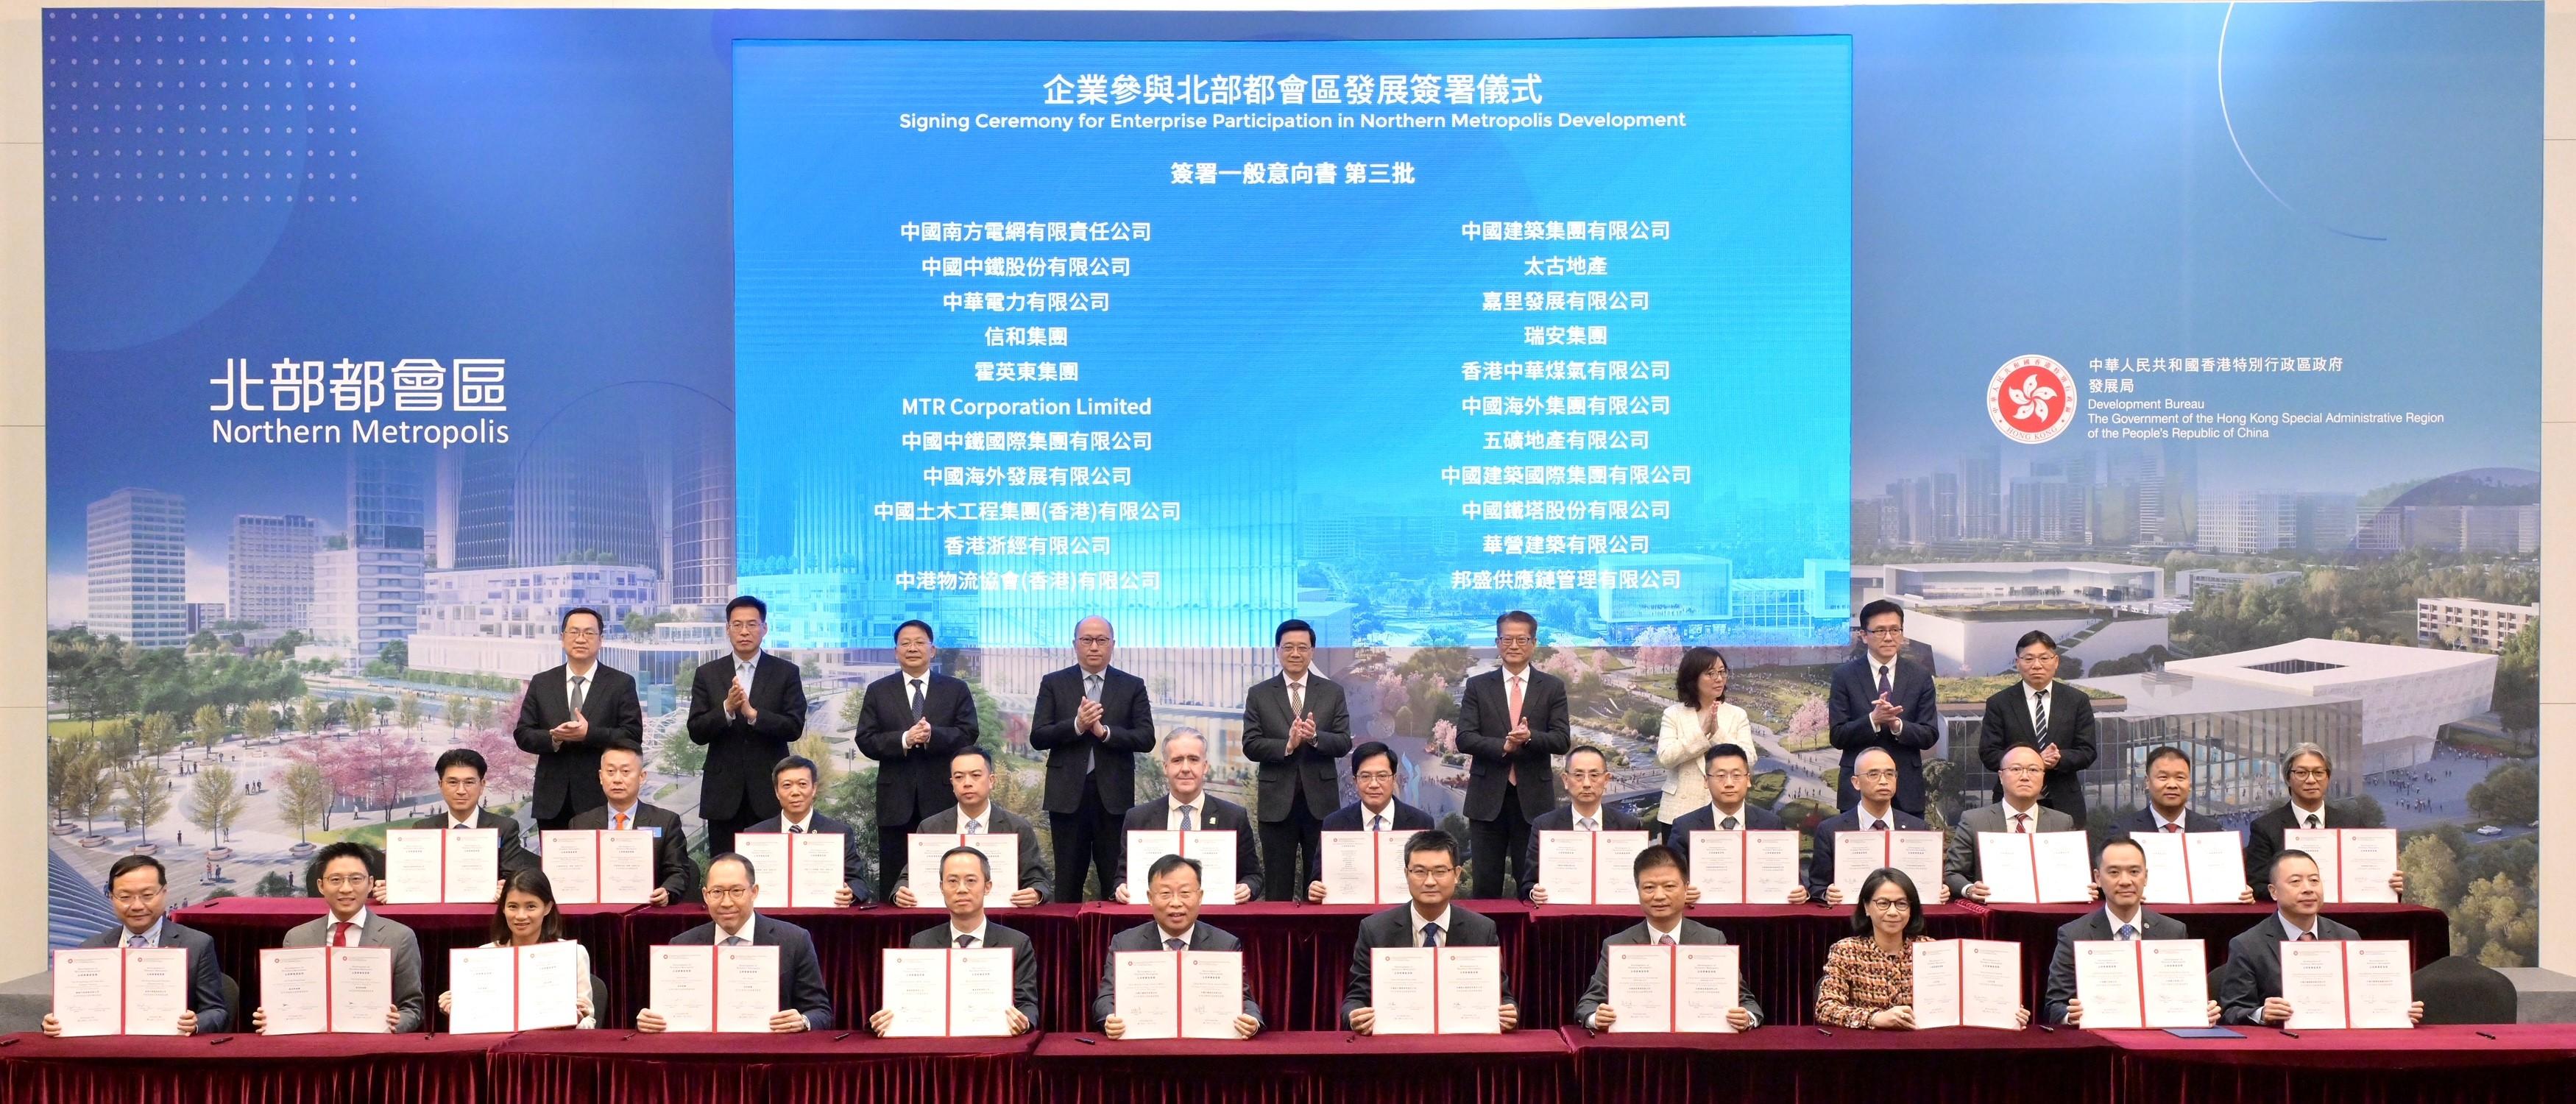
x=621, y=778
x=1174, y=884
x=1188, y=807
x=1296, y=726
x=2121, y=872
x=346, y=874
x=137, y=888
x=2249, y=986
x=1661, y=896
x=1429, y=920
x=732, y=885
x=2019, y=811
x=963, y=879
x=970, y=778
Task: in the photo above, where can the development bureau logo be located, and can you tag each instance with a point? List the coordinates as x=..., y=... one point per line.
x=2031, y=399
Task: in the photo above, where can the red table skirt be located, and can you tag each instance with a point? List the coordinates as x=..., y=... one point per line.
x=1784, y=951
x=2501, y=1064
x=618, y=1067
x=1792, y=1064
x=848, y=940
x=244, y=926
x=1305, y=1067
x=2035, y=928
x=1297, y=957
x=246, y=1069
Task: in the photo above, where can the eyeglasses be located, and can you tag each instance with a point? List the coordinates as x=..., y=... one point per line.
x=1890, y=904
x=347, y=881
x=1515, y=640
x=2310, y=772
x=1430, y=871
x=2025, y=769
x=2036, y=660
x=727, y=893
x=1880, y=775
x=1886, y=631
x=581, y=634
x=1091, y=640
x=746, y=624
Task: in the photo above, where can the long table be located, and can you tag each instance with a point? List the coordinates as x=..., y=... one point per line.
x=1305, y=1067
x=244, y=926
x=1957, y=1065
x=2035, y=928
x=1784, y=951
x=847, y=941
x=293, y=1069
x=822, y=1067
x=1297, y=957
x=2500, y=1064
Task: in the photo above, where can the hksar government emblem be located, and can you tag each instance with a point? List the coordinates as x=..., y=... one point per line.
x=2031, y=399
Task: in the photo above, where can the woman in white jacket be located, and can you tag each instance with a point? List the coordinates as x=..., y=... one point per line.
x=1701, y=720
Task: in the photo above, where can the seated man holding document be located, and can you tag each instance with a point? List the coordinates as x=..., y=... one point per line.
x=621, y=777
x=1188, y=807
x=346, y=874
x=792, y=781
x=1586, y=774
x=2169, y=814
x=527, y=917
x=1428, y=922
x=1729, y=772
x=2310, y=775
x=460, y=784
x=2019, y=813
x=2121, y=871
x=137, y=889
x=1173, y=883
x=970, y=778
x=1660, y=897
x=2252, y=988
x=964, y=878
x=1373, y=774
x=732, y=886
x=1873, y=783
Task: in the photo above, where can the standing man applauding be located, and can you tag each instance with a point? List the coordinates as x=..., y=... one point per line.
x=744, y=710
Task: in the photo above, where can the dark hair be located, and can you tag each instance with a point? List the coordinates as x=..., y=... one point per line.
x=2118, y=841
x=1372, y=750
x=981, y=862
x=460, y=757
x=1883, y=605
x=794, y=762
x=1579, y=749
x=373, y=859
x=1290, y=625
x=1722, y=749
x=2164, y=752
x=2274, y=874
x=535, y=884
x=1656, y=855
x=1695, y=663
x=756, y=604
x=971, y=749
x=2035, y=636
x=1869, y=889
x=916, y=623
x=1431, y=839
x=1170, y=863
x=131, y=863
x=749, y=873
x=638, y=753
x=595, y=618
x=1516, y=615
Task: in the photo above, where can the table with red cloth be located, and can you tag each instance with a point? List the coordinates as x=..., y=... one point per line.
x=2035, y=928
x=847, y=942
x=1305, y=1067
x=287, y=1069
x=1956, y=1065
x=1296, y=956
x=244, y=926
x=815, y=1067
x=2499, y=1064
x=1783, y=957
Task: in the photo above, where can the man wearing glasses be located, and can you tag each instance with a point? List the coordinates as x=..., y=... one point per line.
x=2019, y=810
x=2309, y=773
x=1875, y=811
x=803, y=1003
x=1091, y=719
x=2041, y=713
x=1883, y=700
x=1296, y=726
x=571, y=713
x=1429, y=920
x=1510, y=721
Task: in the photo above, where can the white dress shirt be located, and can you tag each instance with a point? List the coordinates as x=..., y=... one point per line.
x=976, y=933
x=1413, y=916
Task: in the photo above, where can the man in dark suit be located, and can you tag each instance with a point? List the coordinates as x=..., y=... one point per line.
x=2169, y=805
x=460, y=784
x=1882, y=700
x=2041, y=712
x=345, y=874
x=912, y=723
x=970, y=781
x=1587, y=779
x=621, y=779
x=1295, y=725
x=1091, y=719
x=1510, y=721
x=732, y=885
x=1188, y=807
x=793, y=781
x=2249, y=986
x=2121, y=872
x=1875, y=775
x=138, y=890
x=1373, y=773
x=744, y=709
x=1430, y=920
x=568, y=715
x=1661, y=896
x=2309, y=774
x=1730, y=778
x=1174, y=886
x=963, y=879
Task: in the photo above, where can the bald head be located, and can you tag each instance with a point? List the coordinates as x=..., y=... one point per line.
x=1874, y=778
x=1093, y=642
